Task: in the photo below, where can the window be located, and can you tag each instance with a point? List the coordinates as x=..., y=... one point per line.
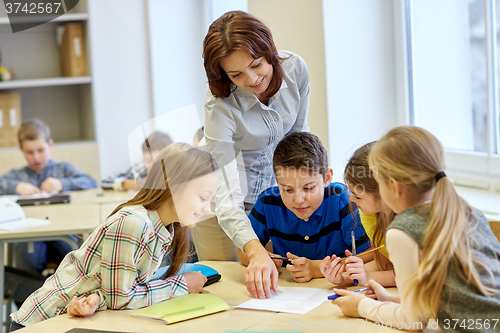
x=452, y=81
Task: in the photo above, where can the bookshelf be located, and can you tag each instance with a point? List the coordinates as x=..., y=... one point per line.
x=64, y=103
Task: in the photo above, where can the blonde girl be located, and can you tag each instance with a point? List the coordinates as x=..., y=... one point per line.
x=444, y=253
x=114, y=266
x=375, y=217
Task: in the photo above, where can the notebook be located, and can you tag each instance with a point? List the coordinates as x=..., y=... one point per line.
x=182, y=308
x=43, y=199
x=211, y=274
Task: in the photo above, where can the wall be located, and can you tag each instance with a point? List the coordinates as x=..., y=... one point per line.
x=360, y=72
x=121, y=76
x=297, y=26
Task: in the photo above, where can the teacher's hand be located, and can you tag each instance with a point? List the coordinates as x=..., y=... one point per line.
x=261, y=274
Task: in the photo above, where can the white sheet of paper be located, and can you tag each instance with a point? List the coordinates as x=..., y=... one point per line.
x=23, y=224
x=290, y=299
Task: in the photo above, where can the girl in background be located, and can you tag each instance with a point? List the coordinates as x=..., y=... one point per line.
x=375, y=217
x=444, y=253
x=114, y=266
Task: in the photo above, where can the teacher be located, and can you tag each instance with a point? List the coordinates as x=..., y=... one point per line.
x=257, y=96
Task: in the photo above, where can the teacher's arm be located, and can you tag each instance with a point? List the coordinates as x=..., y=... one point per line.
x=261, y=274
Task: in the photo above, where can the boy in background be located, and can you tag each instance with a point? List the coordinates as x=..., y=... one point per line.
x=151, y=148
x=42, y=174
x=306, y=217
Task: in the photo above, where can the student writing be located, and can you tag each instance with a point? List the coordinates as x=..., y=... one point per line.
x=114, y=266
x=41, y=174
x=306, y=217
x=444, y=253
x=151, y=148
x=375, y=216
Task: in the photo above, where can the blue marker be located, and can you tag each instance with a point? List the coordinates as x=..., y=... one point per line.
x=335, y=296
x=355, y=281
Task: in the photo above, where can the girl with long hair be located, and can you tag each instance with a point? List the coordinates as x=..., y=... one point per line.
x=375, y=217
x=113, y=268
x=256, y=96
x=445, y=256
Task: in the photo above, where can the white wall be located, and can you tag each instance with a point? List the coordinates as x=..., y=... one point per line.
x=177, y=29
x=121, y=76
x=360, y=75
x=297, y=26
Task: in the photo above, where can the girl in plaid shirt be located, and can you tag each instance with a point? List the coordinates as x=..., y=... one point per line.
x=114, y=266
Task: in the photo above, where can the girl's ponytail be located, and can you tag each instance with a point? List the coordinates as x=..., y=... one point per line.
x=415, y=158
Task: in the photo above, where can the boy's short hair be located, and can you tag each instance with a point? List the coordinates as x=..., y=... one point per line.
x=33, y=129
x=301, y=150
x=156, y=141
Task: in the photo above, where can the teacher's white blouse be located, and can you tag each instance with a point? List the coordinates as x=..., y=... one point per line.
x=242, y=133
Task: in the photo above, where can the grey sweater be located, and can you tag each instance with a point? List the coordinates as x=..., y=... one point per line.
x=463, y=308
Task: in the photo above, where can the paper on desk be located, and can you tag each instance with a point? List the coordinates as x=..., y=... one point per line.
x=290, y=299
x=23, y=224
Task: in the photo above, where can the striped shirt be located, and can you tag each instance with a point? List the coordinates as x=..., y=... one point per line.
x=326, y=232
x=72, y=178
x=116, y=262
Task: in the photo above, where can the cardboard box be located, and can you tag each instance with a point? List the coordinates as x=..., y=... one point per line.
x=10, y=118
x=72, y=51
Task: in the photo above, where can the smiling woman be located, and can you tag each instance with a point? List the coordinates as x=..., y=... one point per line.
x=257, y=95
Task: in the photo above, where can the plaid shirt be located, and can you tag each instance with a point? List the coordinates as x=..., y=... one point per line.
x=116, y=262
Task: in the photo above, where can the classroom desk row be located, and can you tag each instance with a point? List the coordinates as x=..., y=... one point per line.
x=232, y=289
x=85, y=211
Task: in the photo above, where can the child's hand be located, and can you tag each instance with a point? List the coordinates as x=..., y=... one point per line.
x=27, y=189
x=333, y=270
x=277, y=262
x=378, y=292
x=130, y=184
x=195, y=282
x=356, y=270
x=300, y=268
x=84, y=307
x=349, y=302
x=51, y=185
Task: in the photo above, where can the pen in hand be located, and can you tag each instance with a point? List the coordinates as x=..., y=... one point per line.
x=275, y=256
x=335, y=296
x=353, y=239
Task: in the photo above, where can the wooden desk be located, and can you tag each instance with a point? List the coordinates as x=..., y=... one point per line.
x=232, y=289
x=100, y=196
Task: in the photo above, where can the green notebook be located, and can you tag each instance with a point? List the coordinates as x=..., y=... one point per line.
x=182, y=308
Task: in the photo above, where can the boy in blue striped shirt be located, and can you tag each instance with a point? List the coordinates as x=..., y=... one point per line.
x=306, y=217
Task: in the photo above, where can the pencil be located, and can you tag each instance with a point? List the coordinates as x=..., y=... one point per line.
x=355, y=281
x=366, y=252
x=280, y=257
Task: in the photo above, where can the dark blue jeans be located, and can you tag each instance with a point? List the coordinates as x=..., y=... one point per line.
x=44, y=252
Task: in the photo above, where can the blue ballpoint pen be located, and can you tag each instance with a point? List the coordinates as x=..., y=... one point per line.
x=335, y=296
x=355, y=281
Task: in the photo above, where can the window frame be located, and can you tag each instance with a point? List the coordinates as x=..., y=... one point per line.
x=470, y=168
